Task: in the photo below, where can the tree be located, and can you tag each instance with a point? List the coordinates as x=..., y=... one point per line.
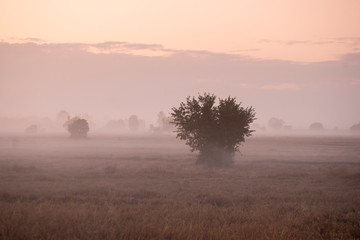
x=164, y=124
x=215, y=131
x=134, y=123
x=276, y=124
x=77, y=127
x=32, y=129
x=62, y=117
x=316, y=126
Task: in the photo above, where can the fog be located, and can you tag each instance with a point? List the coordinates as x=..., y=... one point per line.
x=114, y=80
x=113, y=187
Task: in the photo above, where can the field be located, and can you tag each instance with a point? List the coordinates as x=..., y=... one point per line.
x=147, y=187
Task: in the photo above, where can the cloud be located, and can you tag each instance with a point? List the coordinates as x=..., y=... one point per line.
x=282, y=86
x=117, y=81
x=125, y=45
x=110, y=47
x=128, y=48
x=264, y=40
x=309, y=42
x=354, y=40
x=353, y=58
x=344, y=40
x=245, y=50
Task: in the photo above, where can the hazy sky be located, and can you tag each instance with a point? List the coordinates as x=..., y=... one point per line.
x=297, y=60
x=304, y=30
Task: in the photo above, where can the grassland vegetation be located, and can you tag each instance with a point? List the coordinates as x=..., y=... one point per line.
x=149, y=188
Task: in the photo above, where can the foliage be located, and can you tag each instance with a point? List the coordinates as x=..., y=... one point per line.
x=276, y=124
x=77, y=127
x=215, y=131
x=134, y=123
x=62, y=117
x=164, y=124
x=316, y=126
x=32, y=129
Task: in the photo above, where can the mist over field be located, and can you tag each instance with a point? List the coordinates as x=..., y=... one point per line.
x=90, y=144
x=121, y=187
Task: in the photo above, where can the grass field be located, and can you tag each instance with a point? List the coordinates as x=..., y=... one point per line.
x=148, y=187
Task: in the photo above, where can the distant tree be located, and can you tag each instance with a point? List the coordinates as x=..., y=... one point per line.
x=89, y=119
x=276, y=124
x=134, y=123
x=115, y=125
x=32, y=129
x=287, y=127
x=164, y=124
x=316, y=126
x=355, y=127
x=62, y=117
x=258, y=127
x=77, y=127
x=215, y=131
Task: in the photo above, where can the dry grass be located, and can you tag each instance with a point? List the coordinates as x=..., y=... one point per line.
x=150, y=188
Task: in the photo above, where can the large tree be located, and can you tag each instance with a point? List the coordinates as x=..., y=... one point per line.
x=215, y=131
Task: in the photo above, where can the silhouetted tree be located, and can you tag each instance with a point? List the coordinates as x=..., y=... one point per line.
x=77, y=127
x=134, y=123
x=316, y=126
x=355, y=127
x=215, y=131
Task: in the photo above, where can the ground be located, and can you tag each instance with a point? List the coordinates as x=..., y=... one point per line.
x=149, y=187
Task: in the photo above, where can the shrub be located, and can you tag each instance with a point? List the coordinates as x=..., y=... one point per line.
x=215, y=131
x=77, y=127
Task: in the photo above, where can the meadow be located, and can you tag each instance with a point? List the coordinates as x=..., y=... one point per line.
x=149, y=187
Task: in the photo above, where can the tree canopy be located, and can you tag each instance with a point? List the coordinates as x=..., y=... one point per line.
x=215, y=131
x=77, y=127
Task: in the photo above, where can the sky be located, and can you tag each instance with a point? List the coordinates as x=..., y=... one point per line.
x=296, y=60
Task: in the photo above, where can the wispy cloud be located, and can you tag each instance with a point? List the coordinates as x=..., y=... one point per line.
x=343, y=40
x=309, y=42
x=355, y=40
x=352, y=58
x=129, y=48
x=245, y=50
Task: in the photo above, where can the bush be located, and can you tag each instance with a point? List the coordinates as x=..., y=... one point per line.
x=134, y=123
x=215, y=131
x=316, y=126
x=77, y=127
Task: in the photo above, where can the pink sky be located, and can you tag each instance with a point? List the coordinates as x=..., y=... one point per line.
x=295, y=60
x=301, y=30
